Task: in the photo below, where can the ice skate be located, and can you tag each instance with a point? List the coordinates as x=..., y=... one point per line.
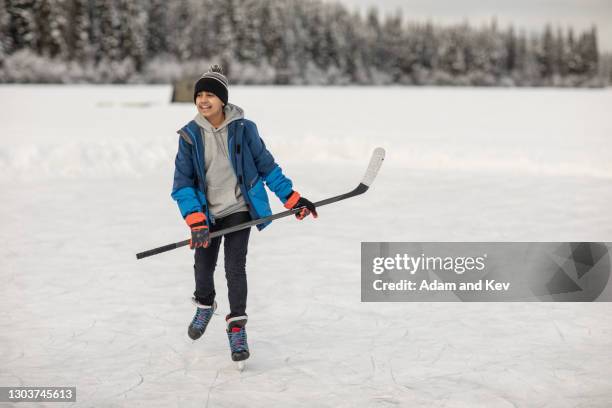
x=200, y=319
x=236, y=334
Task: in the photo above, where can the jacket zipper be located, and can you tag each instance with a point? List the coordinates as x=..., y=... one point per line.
x=203, y=178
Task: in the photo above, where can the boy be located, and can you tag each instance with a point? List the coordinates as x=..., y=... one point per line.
x=219, y=176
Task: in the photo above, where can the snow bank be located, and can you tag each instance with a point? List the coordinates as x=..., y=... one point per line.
x=137, y=158
x=52, y=132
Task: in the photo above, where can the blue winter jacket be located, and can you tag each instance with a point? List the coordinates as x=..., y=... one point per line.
x=251, y=161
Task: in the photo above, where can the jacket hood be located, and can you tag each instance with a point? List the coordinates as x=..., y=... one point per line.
x=232, y=113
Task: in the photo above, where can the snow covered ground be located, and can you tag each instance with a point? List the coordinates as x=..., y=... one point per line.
x=86, y=173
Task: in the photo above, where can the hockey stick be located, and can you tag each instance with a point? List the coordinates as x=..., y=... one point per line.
x=375, y=162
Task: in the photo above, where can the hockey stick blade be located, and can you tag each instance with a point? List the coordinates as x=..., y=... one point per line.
x=378, y=156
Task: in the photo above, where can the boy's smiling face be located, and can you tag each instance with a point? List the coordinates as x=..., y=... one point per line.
x=208, y=104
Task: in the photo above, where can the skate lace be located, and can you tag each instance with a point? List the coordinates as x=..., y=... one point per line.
x=201, y=318
x=238, y=340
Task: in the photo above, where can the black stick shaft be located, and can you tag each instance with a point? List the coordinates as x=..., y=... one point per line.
x=360, y=189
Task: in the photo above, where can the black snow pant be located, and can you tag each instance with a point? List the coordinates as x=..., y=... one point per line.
x=235, y=252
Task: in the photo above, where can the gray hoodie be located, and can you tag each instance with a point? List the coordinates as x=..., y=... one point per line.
x=222, y=190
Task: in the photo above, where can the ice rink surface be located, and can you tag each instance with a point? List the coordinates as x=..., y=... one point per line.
x=86, y=174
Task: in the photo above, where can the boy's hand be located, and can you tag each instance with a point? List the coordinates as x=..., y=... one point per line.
x=296, y=201
x=199, y=230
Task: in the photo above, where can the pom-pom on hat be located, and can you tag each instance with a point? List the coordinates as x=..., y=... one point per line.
x=214, y=82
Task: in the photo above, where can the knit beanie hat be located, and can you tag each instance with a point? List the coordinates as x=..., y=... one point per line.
x=214, y=82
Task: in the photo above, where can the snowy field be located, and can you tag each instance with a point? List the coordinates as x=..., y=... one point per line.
x=86, y=174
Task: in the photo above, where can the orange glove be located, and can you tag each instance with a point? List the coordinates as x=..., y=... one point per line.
x=199, y=230
x=296, y=201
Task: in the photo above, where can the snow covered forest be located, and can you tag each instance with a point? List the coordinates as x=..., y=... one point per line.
x=280, y=42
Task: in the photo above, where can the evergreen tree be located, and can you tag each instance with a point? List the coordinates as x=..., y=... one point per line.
x=106, y=30
x=273, y=39
x=179, y=34
x=300, y=57
x=336, y=33
x=244, y=35
x=226, y=44
x=50, y=18
x=575, y=64
x=589, y=52
x=559, y=54
x=520, y=64
x=532, y=71
x=372, y=35
x=319, y=38
x=511, y=50
x=355, y=59
x=132, y=31
x=157, y=28
x=5, y=38
x=428, y=47
x=79, y=40
x=480, y=51
x=546, y=54
x=497, y=51
x=203, y=31
x=392, y=41
x=451, y=51
x=21, y=24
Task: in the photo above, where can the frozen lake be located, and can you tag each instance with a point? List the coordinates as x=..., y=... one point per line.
x=86, y=174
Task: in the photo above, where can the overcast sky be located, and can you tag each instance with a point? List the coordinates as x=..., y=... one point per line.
x=528, y=14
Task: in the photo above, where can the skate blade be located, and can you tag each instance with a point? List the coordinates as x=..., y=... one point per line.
x=240, y=365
